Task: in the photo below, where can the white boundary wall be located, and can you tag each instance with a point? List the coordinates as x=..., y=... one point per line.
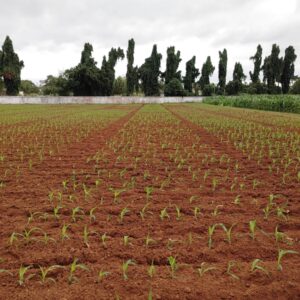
x=94, y=100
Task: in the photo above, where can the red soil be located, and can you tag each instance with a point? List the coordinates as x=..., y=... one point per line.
x=162, y=140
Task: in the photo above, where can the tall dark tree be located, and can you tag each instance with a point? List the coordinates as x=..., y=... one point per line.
x=272, y=68
x=238, y=73
x=84, y=79
x=222, y=70
x=10, y=68
x=257, y=59
x=206, y=72
x=107, y=72
x=173, y=61
x=149, y=73
x=190, y=75
x=130, y=75
x=288, y=68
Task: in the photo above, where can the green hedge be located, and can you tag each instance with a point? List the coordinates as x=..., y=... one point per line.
x=281, y=103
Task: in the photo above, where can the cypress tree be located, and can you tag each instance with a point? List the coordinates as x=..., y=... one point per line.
x=222, y=70
x=10, y=68
x=130, y=75
x=173, y=61
x=288, y=68
x=272, y=68
x=257, y=59
x=107, y=72
x=206, y=72
x=190, y=75
x=149, y=73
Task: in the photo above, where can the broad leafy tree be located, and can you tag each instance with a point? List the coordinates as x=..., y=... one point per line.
x=29, y=88
x=257, y=60
x=191, y=74
x=288, y=68
x=85, y=77
x=56, y=86
x=222, y=70
x=238, y=73
x=150, y=72
x=120, y=86
x=207, y=70
x=10, y=68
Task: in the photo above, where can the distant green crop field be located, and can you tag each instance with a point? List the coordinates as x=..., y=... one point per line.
x=281, y=103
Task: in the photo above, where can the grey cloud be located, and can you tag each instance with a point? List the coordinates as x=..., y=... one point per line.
x=53, y=25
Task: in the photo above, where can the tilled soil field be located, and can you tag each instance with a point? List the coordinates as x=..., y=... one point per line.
x=175, y=201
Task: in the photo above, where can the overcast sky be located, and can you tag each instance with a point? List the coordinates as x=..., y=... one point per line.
x=49, y=34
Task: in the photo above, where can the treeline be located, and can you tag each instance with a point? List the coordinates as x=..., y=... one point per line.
x=87, y=79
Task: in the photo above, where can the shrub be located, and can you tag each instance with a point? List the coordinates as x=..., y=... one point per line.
x=295, y=89
x=174, y=88
x=208, y=90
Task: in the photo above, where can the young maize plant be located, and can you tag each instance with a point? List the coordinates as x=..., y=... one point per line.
x=230, y=265
x=86, y=236
x=149, y=241
x=56, y=210
x=282, y=213
x=47, y=239
x=192, y=199
x=178, y=213
x=211, y=230
x=73, y=267
x=203, y=269
x=252, y=227
x=102, y=274
x=279, y=236
x=65, y=184
x=150, y=297
x=126, y=240
x=151, y=270
x=197, y=212
x=214, y=184
x=281, y=254
x=104, y=239
x=164, y=214
x=227, y=231
x=143, y=211
x=22, y=272
x=87, y=192
x=116, y=193
x=63, y=232
x=267, y=211
x=255, y=266
x=26, y=235
x=173, y=265
x=32, y=216
x=149, y=191
x=255, y=183
x=216, y=211
x=123, y=212
x=92, y=215
x=44, y=273
x=237, y=200
x=75, y=214
x=125, y=266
